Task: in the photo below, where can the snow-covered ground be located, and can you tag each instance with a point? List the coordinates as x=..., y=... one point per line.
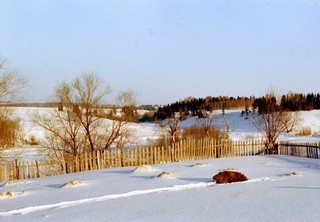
x=280, y=188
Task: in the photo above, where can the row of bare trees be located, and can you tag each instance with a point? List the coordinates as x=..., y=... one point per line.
x=81, y=123
x=11, y=87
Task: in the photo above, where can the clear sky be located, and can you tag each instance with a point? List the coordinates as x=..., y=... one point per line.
x=165, y=50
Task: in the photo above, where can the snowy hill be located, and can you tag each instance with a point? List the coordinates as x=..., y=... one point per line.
x=240, y=128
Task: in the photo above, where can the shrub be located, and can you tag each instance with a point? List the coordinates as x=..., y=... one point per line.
x=229, y=177
x=195, y=132
x=147, y=117
x=33, y=141
x=10, y=129
x=305, y=131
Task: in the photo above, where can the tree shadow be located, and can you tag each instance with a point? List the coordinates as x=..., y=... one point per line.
x=55, y=186
x=118, y=171
x=142, y=177
x=195, y=179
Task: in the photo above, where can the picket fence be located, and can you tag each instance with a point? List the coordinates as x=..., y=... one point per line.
x=186, y=150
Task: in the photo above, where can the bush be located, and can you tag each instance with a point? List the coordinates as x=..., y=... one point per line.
x=147, y=117
x=195, y=132
x=229, y=177
x=10, y=129
x=33, y=141
x=305, y=131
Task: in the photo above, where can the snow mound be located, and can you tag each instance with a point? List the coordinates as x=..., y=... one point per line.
x=145, y=168
x=165, y=174
x=16, y=182
x=293, y=174
x=72, y=183
x=10, y=194
x=6, y=194
x=199, y=165
x=230, y=169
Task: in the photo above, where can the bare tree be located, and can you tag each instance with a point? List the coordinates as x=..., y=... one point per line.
x=83, y=124
x=121, y=133
x=63, y=132
x=12, y=84
x=206, y=123
x=272, y=121
x=173, y=125
x=126, y=100
x=11, y=87
x=227, y=132
x=291, y=121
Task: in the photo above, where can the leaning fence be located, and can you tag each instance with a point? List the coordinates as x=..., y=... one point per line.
x=186, y=150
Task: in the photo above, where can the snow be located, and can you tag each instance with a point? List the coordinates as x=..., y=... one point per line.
x=280, y=188
x=240, y=128
x=146, y=133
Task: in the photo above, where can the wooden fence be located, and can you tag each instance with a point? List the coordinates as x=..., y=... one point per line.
x=183, y=151
x=309, y=150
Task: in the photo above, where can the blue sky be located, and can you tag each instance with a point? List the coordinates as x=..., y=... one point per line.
x=165, y=50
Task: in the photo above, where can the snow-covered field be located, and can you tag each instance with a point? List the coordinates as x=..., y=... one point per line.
x=280, y=188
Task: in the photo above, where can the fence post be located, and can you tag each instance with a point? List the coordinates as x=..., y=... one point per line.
x=28, y=170
x=5, y=172
x=32, y=169
x=1, y=179
x=17, y=173
x=279, y=148
x=37, y=169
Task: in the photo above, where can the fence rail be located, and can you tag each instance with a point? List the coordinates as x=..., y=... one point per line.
x=309, y=150
x=183, y=151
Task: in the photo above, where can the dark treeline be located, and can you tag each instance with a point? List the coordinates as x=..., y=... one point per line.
x=196, y=106
x=289, y=102
x=297, y=102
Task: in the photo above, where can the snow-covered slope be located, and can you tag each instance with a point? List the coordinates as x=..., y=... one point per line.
x=240, y=128
x=280, y=189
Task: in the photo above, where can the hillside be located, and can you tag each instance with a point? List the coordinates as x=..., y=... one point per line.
x=240, y=128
